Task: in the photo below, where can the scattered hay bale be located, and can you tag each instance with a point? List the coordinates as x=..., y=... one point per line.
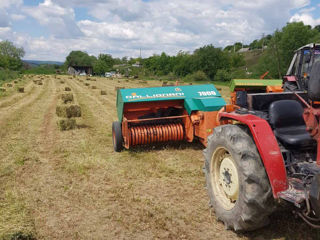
x=127, y=80
x=66, y=97
x=15, y=81
x=103, y=92
x=2, y=89
x=20, y=89
x=62, y=82
x=9, y=84
x=87, y=84
x=118, y=81
x=93, y=87
x=67, y=124
x=68, y=111
x=67, y=89
x=81, y=80
x=93, y=79
x=190, y=83
x=144, y=82
x=219, y=89
x=88, y=79
x=40, y=83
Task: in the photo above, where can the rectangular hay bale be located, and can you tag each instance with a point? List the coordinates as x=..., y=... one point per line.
x=66, y=97
x=20, y=89
x=68, y=111
x=67, y=124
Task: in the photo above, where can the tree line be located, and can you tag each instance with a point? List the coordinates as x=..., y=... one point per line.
x=213, y=63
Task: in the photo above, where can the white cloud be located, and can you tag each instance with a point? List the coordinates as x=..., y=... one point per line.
x=17, y=17
x=4, y=18
x=59, y=21
x=123, y=27
x=9, y=3
x=305, y=18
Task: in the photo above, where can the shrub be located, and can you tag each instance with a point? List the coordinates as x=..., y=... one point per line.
x=197, y=76
x=222, y=75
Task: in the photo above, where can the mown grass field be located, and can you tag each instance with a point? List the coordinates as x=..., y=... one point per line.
x=72, y=185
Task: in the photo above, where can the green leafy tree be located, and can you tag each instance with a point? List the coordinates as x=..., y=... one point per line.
x=79, y=58
x=104, y=64
x=10, y=56
x=209, y=59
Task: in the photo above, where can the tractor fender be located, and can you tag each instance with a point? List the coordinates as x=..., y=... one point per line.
x=267, y=146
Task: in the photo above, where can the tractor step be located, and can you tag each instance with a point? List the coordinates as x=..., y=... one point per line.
x=295, y=192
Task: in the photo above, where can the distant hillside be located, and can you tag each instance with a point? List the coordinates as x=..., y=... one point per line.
x=252, y=57
x=36, y=63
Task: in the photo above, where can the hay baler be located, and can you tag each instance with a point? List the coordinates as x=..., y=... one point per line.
x=165, y=114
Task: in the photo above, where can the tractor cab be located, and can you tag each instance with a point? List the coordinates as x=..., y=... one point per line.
x=299, y=70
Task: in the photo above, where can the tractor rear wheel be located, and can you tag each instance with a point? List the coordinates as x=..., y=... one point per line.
x=117, y=138
x=237, y=183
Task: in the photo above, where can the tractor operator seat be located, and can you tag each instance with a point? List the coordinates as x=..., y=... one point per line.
x=288, y=124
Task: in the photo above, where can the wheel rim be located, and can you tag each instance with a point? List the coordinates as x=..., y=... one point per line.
x=224, y=178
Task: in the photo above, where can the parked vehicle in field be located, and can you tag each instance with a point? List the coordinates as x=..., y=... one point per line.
x=267, y=150
x=165, y=114
x=298, y=74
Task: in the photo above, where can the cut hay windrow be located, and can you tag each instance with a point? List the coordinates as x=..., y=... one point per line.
x=67, y=89
x=66, y=97
x=67, y=124
x=68, y=111
x=20, y=89
x=103, y=92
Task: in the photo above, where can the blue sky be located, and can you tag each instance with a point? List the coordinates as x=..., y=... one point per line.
x=50, y=29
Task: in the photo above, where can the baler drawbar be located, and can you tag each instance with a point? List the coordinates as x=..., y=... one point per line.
x=165, y=114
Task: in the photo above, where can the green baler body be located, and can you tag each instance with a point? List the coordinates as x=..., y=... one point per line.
x=254, y=83
x=196, y=97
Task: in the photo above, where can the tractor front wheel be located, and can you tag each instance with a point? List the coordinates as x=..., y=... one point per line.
x=117, y=138
x=237, y=183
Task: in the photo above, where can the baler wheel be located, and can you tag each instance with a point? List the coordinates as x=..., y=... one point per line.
x=117, y=138
x=237, y=183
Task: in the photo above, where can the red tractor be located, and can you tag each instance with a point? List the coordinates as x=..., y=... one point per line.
x=267, y=150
